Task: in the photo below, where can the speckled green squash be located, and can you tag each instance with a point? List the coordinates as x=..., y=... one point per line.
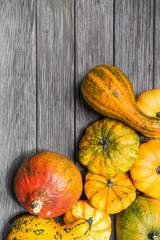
x=108, y=91
x=109, y=147
x=31, y=227
x=140, y=221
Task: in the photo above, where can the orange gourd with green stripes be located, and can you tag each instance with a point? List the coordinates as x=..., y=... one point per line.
x=108, y=91
x=30, y=227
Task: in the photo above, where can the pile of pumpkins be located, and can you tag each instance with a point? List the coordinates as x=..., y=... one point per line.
x=48, y=184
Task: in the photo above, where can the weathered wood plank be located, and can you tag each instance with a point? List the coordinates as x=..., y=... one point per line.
x=156, y=45
x=93, y=46
x=17, y=98
x=134, y=42
x=55, y=74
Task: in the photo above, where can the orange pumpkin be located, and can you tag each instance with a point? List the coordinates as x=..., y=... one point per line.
x=149, y=102
x=146, y=170
x=108, y=91
x=101, y=225
x=109, y=195
x=48, y=184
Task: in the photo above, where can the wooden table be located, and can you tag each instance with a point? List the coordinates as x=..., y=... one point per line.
x=46, y=48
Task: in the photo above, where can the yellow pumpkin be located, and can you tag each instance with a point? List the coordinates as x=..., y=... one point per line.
x=101, y=226
x=146, y=170
x=149, y=102
x=108, y=91
x=111, y=195
x=109, y=147
x=30, y=227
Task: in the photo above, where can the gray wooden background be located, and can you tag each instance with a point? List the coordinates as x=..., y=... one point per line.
x=46, y=48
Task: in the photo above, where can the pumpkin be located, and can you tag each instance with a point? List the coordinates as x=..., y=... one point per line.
x=32, y=227
x=109, y=195
x=140, y=221
x=149, y=102
x=109, y=147
x=101, y=225
x=48, y=184
x=146, y=170
x=108, y=91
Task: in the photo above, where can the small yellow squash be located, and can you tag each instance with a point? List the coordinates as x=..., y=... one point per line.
x=31, y=227
x=101, y=226
x=149, y=102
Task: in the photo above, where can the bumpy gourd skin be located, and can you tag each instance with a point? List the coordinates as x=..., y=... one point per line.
x=140, y=221
x=109, y=147
x=101, y=225
x=108, y=91
x=31, y=227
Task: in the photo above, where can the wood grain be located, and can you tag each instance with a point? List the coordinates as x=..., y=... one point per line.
x=157, y=45
x=17, y=98
x=93, y=46
x=46, y=49
x=55, y=76
x=134, y=43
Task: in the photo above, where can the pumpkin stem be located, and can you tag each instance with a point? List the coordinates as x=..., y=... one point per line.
x=37, y=206
x=158, y=114
x=90, y=221
x=110, y=183
x=105, y=143
x=153, y=235
x=158, y=170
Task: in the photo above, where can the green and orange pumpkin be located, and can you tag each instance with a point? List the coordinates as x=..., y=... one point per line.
x=109, y=147
x=140, y=221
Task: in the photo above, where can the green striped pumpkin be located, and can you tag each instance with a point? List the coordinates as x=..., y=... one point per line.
x=140, y=221
x=109, y=147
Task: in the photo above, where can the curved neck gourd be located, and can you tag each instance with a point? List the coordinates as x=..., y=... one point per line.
x=32, y=227
x=108, y=91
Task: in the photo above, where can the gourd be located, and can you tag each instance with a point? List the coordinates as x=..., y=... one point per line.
x=109, y=147
x=101, y=225
x=146, y=170
x=48, y=184
x=149, y=102
x=109, y=195
x=108, y=91
x=140, y=221
x=32, y=227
